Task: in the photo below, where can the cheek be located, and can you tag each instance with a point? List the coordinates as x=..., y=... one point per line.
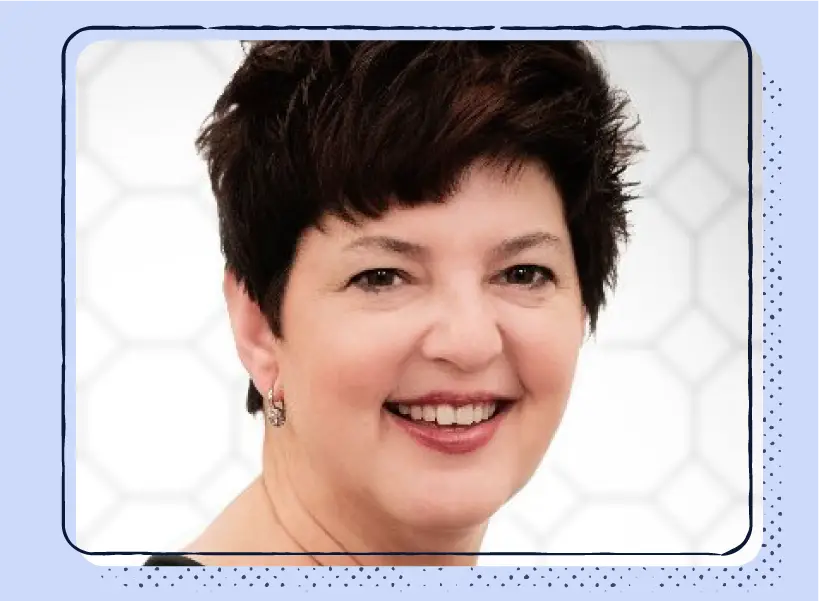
x=347, y=362
x=548, y=362
x=546, y=352
x=545, y=358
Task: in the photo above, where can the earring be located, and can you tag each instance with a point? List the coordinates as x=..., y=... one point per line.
x=275, y=410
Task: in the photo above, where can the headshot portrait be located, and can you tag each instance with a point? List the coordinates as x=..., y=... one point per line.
x=409, y=249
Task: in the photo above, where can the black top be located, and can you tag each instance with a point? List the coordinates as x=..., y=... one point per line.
x=171, y=560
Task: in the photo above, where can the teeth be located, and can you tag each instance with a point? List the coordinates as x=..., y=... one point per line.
x=447, y=415
x=463, y=415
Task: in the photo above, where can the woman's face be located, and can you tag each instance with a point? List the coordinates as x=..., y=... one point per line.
x=450, y=311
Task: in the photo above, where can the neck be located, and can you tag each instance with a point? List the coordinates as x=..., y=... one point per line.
x=318, y=521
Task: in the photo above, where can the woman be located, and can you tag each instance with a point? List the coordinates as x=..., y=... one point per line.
x=417, y=237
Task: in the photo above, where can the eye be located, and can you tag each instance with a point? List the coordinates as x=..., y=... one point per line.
x=529, y=276
x=377, y=280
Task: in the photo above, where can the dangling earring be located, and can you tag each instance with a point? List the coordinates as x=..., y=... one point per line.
x=275, y=409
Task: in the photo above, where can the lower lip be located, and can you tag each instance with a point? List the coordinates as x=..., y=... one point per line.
x=452, y=440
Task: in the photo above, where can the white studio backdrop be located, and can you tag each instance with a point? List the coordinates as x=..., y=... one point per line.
x=653, y=454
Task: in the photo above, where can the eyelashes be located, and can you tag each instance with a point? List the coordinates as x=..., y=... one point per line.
x=528, y=276
x=378, y=280
x=382, y=279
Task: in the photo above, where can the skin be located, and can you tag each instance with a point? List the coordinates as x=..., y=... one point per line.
x=449, y=311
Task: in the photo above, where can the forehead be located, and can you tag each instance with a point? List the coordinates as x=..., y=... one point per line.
x=489, y=202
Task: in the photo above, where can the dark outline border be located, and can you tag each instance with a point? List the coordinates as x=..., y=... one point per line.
x=428, y=28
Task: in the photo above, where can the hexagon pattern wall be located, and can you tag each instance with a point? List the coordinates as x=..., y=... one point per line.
x=652, y=456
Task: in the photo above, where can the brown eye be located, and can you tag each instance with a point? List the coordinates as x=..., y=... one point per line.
x=375, y=280
x=530, y=276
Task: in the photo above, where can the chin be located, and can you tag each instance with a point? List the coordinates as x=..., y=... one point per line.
x=452, y=508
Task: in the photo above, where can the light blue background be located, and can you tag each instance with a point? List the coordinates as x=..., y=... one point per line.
x=38, y=560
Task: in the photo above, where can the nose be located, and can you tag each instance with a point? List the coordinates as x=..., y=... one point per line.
x=465, y=332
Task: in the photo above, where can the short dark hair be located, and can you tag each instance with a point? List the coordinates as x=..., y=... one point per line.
x=309, y=129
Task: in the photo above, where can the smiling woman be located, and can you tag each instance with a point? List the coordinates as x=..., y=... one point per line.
x=417, y=237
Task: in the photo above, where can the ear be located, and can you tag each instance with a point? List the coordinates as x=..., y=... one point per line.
x=254, y=340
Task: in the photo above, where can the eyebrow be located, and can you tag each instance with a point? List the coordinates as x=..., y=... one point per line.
x=513, y=246
x=506, y=249
x=389, y=244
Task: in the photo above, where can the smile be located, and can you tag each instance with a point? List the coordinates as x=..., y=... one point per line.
x=446, y=415
x=450, y=428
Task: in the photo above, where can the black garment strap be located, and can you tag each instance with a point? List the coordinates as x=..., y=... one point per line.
x=171, y=560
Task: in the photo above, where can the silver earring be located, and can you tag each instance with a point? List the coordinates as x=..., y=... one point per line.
x=275, y=410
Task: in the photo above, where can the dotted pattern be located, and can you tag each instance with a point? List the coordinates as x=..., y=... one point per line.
x=605, y=579
x=761, y=572
x=772, y=292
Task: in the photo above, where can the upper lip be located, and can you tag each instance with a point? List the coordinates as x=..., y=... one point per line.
x=442, y=397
